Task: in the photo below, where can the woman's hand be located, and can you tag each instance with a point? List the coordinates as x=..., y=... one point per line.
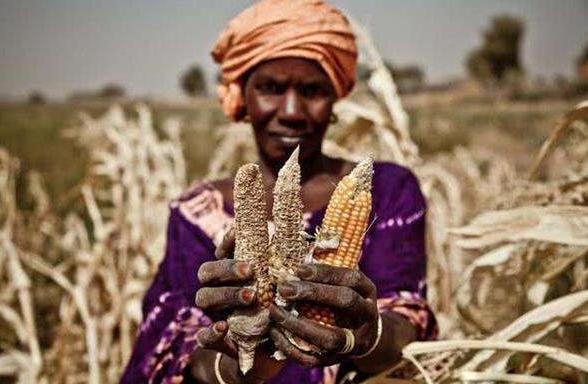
x=223, y=290
x=224, y=281
x=215, y=338
x=224, y=286
x=349, y=293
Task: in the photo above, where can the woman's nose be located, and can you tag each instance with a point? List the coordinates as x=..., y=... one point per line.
x=292, y=108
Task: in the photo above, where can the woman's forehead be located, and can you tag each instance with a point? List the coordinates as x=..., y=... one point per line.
x=288, y=67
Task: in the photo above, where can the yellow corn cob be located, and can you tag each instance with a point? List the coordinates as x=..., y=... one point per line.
x=247, y=326
x=288, y=246
x=345, y=224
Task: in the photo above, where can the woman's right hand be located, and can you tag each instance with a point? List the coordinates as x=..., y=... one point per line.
x=224, y=286
x=223, y=290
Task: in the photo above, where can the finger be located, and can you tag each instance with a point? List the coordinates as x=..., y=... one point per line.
x=327, y=274
x=343, y=298
x=326, y=338
x=217, y=199
x=209, y=336
x=215, y=338
x=201, y=205
x=225, y=272
x=291, y=351
x=197, y=201
x=226, y=248
x=221, y=298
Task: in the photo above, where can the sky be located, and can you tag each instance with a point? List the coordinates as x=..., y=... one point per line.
x=60, y=46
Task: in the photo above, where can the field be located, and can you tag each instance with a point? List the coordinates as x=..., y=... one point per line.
x=36, y=134
x=84, y=201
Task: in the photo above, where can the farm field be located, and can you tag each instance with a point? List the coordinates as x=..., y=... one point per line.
x=80, y=243
x=111, y=129
x=36, y=134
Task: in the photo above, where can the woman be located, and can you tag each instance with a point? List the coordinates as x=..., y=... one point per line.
x=284, y=63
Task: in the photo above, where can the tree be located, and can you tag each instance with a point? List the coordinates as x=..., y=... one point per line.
x=37, y=98
x=498, y=59
x=408, y=78
x=192, y=81
x=582, y=64
x=111, y=91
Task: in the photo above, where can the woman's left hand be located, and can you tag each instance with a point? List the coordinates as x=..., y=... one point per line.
x=349, y=293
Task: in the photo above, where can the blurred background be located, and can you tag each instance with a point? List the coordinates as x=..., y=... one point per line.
x=108, y=110
x=63, y=56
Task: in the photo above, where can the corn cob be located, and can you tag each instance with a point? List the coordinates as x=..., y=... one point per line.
x=247, y=326
x=344, y=226
x=288, y=246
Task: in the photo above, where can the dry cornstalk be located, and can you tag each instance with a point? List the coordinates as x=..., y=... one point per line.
x=18, y=285
x=505, y=377
x=105, y=273
x=531, y=327
x=558, y=224
x=557, y=354
x=520, y=336
x=580, y=111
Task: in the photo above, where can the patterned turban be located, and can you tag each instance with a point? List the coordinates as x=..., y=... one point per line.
x=270, y=29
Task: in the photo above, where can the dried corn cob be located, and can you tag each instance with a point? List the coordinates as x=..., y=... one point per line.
x=246, y=327
x=288, y=246
x=344, y=225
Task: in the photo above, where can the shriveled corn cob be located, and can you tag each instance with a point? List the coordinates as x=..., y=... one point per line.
x=344, y=225
x=247, y=326
x=251, y=233
x=288, y=245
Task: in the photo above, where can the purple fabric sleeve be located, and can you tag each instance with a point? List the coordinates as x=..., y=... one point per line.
x=394, y=250
x=395, y=257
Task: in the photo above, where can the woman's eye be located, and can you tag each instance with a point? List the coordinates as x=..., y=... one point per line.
x=268, y=87
x=311, y=90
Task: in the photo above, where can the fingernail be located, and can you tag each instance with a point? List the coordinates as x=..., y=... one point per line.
x=246, y=295
x=242, y=269
x=219, y=327
x=305, y=272
x=287, y=290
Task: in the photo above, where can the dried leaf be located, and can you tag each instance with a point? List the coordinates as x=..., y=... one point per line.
x=557, y=224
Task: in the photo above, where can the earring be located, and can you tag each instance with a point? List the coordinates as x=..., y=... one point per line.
x=333, y=119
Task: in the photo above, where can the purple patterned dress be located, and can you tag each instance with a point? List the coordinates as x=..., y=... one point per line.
x=393, y=258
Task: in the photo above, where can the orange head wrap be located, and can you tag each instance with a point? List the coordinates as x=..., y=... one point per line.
x=272, y=29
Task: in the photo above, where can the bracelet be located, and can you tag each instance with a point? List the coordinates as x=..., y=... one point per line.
x=349, y=341
x=376, y=342
x=217, y=373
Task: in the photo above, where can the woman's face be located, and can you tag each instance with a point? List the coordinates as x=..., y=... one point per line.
x=289, y=101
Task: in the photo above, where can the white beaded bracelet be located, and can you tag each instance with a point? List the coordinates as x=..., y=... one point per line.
x=376, y=342
x=217, y=373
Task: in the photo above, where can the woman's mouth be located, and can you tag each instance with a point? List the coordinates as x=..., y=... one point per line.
x=288, y=140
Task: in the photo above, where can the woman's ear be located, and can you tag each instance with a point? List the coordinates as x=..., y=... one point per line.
x=242, y=115
x=246, y=118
